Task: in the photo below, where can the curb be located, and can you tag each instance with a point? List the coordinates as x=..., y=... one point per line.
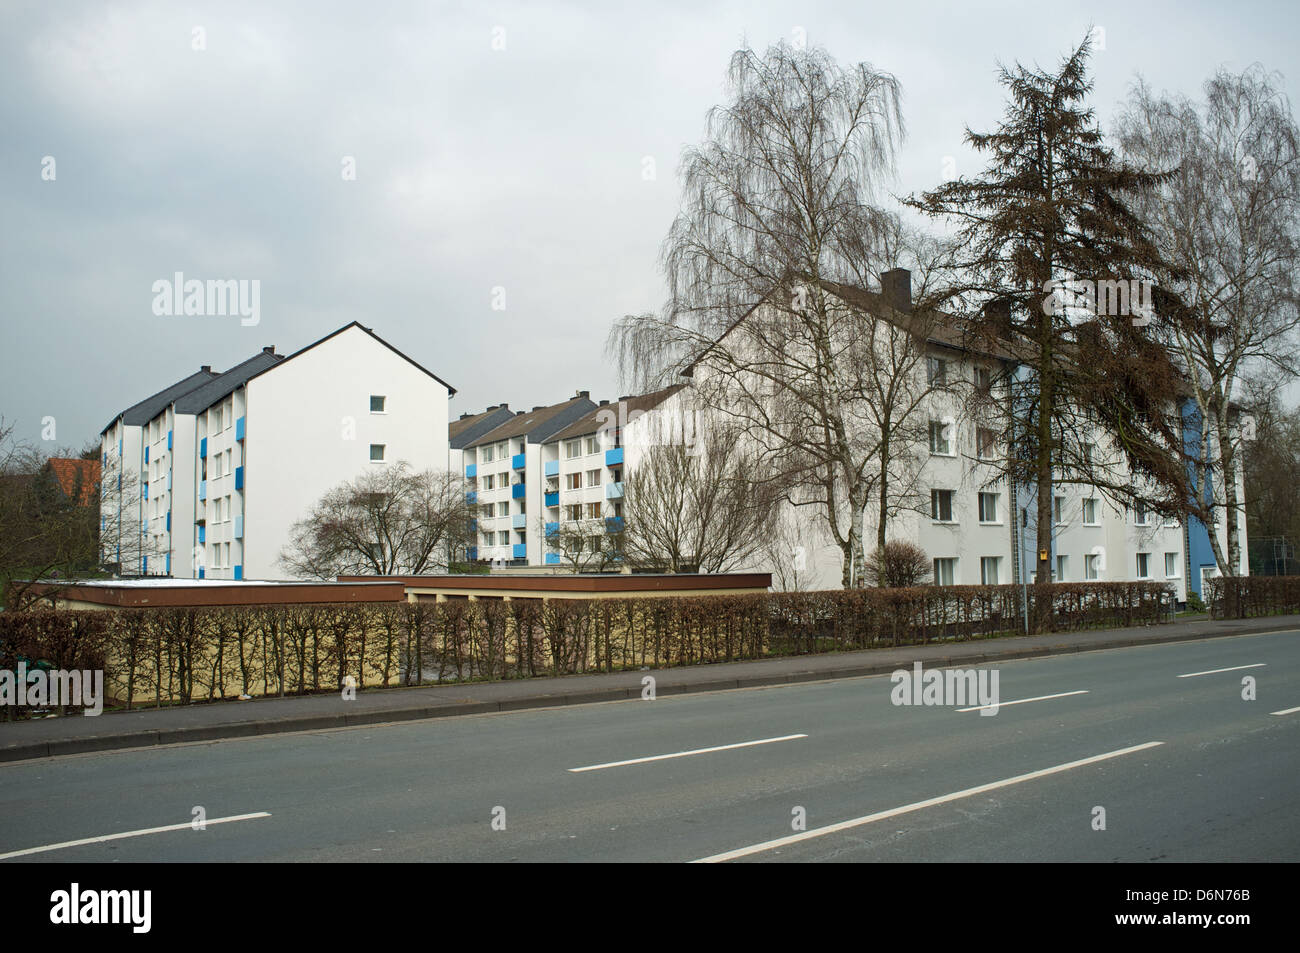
x=243, y=729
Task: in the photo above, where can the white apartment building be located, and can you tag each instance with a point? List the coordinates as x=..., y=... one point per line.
x=503, y=470
x=127, y=451
x=233, y=460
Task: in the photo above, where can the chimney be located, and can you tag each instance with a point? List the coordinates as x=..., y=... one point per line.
x=206, y=368
x=537, y=408
x=604, y=403
x=998, y=314
x=269, y=350
x=584, y=393
x=896, y=287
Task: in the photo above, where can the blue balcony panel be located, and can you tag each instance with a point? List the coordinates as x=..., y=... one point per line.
x=520, y=550
x=146, y=454
x=613, y=491
x=552, y=559
x=146, y=491
x=239, y=428
x=613, y=524
x=203, y=448
x=614, y=457
x=519, y=491
x=552, y=499
x=203, y=534
x=517, y=461
x=203, y=489
x=552, y=468
x=169, y=521
x=471, y=471
x=168, y=568
x=239, y=572
x=473, y=552
x=519, y=521
x=200, y=572
x=169, y=440
x=239, y=527
x=552, y=529
x=169, y=481
x=239, y=478
x=471, y=497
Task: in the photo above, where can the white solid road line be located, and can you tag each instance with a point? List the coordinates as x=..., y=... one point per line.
x=1021, y=701
x=1216, y=671
x=686, y=754
x=919, y=805
x=1285, y=711
x=188, y=825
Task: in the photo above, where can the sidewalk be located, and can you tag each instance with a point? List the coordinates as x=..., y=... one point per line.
x=48, y=737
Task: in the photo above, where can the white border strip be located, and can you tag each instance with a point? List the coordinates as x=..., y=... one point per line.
x=908, y=808
x=1216, y=671
x=685, y=754
x=188, y=825
x=1285, y=711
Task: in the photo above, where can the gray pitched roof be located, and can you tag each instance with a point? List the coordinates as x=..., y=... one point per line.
x=204, y=396
x=139, y=414
x=462, y=431
x=539, y=423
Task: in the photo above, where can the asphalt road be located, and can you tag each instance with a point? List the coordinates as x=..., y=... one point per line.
x=1217, y=780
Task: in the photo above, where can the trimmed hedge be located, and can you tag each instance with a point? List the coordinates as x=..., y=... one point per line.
x=160, y=656
x=1245, y=597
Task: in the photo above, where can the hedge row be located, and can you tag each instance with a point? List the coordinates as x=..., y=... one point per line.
x=1244, y=597
x=162, y=655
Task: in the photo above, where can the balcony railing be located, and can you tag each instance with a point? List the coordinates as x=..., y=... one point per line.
x=239, y=478
x=517, y=461
x=614, y=491
x=552, y=529
x=471, y=497
x=614, y=457
x=613, y=524
x=552, y=499
x=519, y=521
x=471, y=471
x=519, y=551
x=552, y=468
x=552, y=559
x=203, y=489
x=518, y=491
x=239, y=429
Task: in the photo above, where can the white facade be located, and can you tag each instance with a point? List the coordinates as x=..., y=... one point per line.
x=227, y=480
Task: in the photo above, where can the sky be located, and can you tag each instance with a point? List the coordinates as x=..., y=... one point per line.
x=486, y=186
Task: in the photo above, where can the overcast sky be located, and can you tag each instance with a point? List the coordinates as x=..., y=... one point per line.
x=476, y=168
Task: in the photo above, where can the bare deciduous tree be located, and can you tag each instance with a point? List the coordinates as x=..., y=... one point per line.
x=697, y=509
x=1229, y=218
x=392, y=521
x=777, y=202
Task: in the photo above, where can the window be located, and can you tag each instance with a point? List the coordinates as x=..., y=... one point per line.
x=988, y=507
x=1144, y=565
x=572, y=448
x=503, y=538
x=485, y=455
x=487, y=510
x=377, y=404
x=593, y=478
x=939, y=442
x=989, y=570
x=573, y=481
x=1171, y=565
x=376, y=453
x=227, y=510
x=936, y=371
x=503, y=508
x=593, y=511
x=1092, y=567
x=984, y=379
x=1140, y=514
x=230, y=462
x=1058, y=510
x=1090, y=512
x=945, y=571
x=1062, y=568
x=985, y=443
x=573, y=513
x=941, y=505
x=593, y=445
x=488, y=481
x=1088, y=451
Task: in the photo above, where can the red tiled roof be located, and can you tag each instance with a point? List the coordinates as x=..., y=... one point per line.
x=75, y=476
